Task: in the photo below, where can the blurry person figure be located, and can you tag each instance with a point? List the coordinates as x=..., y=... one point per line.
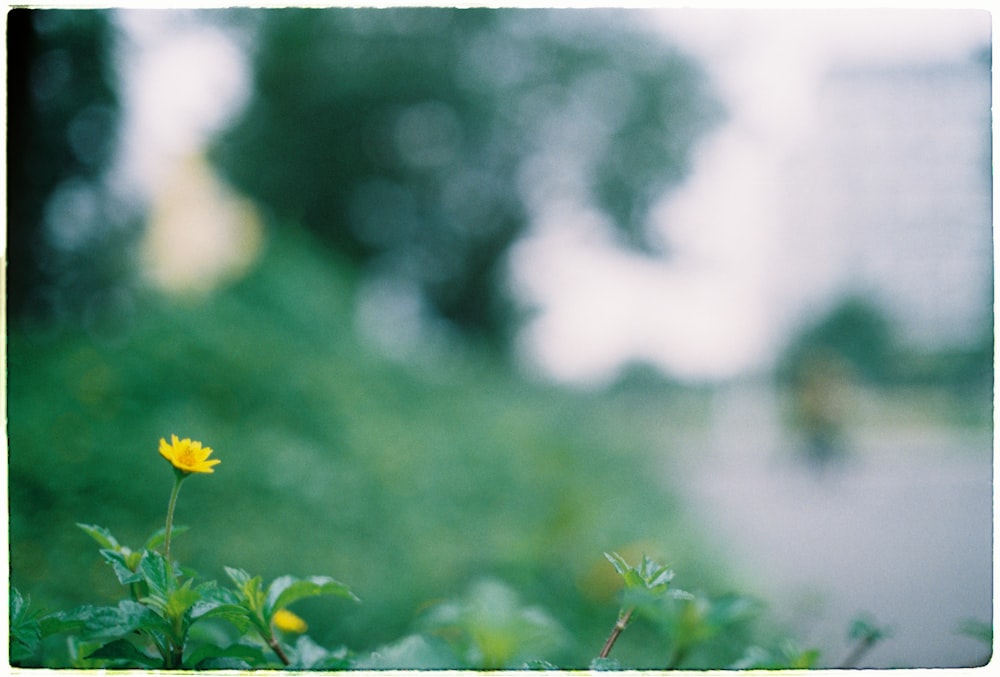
x=820, y=391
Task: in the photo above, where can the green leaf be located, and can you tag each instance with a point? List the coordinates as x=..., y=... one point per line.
x=158, y=574
x=119, y=561
x=538, y=664
x=285, y=590
x=25, y=632
x=252, y=596
x=311, y=656
x=212, y=657
x=125, y=654
x=865, y=629
x=237, y=576
x=618, y=562
x=235, y=614
x=160, y=535
x=648, y=575
x=181, y=599
x=804, y=660
x=655, y=576
x=753, y=658
x=212, y=597
x=413, y=652
x=104, y=622
x=224, y=663
x=101, y=535
x=970, y=627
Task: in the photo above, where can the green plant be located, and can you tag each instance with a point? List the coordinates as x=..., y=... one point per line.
x=160, y=623
x=489, y=628
x=645, y=584
x=866, y=634
x=169, y=618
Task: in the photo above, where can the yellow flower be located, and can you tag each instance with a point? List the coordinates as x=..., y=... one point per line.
x=286, y=621
x=187, y=455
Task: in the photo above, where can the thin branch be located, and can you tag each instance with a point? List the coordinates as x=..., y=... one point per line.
x=860, y=649
x=622, y=623
x=276, y=647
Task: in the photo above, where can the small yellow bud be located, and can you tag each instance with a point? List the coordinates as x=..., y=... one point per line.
x=286, y=621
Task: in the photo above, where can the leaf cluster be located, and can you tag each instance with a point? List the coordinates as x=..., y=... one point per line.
x=695, y=630
x=171, y=621
x=157, y=625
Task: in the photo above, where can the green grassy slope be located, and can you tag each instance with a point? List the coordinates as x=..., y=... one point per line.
x=408, y=483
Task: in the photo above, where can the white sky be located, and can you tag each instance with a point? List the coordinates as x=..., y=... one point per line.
x=711, y=311
x=715, y=310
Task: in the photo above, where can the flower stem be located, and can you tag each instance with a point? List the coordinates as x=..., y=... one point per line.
x=860, y=649
x=178, y=478
x=623, y=619
x=276, y=647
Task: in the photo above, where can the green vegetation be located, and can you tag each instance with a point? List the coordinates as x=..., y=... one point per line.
x=466, y=507
x=410, y=482
x=172, y=620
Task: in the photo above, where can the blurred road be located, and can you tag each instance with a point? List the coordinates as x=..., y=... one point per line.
x=902, y=533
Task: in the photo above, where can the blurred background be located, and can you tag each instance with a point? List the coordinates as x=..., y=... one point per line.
x=460, y=295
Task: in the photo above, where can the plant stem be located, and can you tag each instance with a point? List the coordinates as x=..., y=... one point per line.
x=276, y=647
x=676, y=656
x=860, y=649
x=623, y=619
x=178, y=478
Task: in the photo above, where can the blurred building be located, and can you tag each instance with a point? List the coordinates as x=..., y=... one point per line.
x=897, y=184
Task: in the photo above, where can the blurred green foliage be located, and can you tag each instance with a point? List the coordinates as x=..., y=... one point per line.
x=419, y=141
x=66, y=234
x=858, y=334
x=407, y=482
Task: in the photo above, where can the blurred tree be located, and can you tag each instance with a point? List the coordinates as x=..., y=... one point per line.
x=62, y=114
x=418, y=141
x=854, y=332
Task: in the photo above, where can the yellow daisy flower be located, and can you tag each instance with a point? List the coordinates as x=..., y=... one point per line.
x=187, y=455
x=286, y=621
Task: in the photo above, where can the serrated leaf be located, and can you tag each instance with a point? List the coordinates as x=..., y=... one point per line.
x=238, y=616
x=237, y=576
x=213, y=596
x=123, y=650
x=101, y=535
x=286, y=590
x=158, y=574
x=103, y=622
x=118, y=560
x=249, y=590
x=25, y=632
x=661, y=579
x=63, y=621
x=618, y=562
x=17, y=603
